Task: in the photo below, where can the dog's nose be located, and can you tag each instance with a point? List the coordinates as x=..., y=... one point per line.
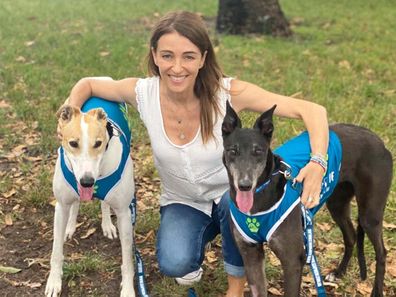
x=245, y=185
x=87, y=181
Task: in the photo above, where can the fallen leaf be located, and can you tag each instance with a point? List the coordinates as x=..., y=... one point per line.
x=9, y=193
x=389, y=226
x=29, y=43
x=9, y=269
x=275, y=291
x=4, y=104
x=8, y=220
x=344, y=64
x=33, y=285
x=104, y=54
x=89, y=233
x=364, y=288
x=324, y=226
x=391, y=268
x=19, y=150
x=211, y=256
x=20, y=59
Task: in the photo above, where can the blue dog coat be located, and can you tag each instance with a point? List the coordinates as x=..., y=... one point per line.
x=259, y=227
x=117, y=116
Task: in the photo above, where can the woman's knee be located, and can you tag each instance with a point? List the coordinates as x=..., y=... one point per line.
x=174, y=264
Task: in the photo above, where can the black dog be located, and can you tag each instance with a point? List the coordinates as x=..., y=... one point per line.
x=366, y=173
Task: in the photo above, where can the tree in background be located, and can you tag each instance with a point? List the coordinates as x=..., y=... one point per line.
x=252, y=16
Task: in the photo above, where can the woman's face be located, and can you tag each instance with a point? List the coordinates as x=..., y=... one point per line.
x=179, y=61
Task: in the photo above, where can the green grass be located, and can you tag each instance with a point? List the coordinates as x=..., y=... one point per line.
x=341, y=56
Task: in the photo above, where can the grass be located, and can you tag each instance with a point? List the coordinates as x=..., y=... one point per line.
x=341, y=56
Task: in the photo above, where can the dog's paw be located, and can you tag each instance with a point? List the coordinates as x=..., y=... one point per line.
x=54, y=286
x=69, y=232
x=109, y=230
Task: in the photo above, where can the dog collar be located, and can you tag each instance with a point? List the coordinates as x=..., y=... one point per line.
x=283, y=169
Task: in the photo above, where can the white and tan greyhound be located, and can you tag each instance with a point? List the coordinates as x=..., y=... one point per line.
x=93, y=161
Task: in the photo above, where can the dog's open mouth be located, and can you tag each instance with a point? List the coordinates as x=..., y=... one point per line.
x=86, y=194
x=244, y=200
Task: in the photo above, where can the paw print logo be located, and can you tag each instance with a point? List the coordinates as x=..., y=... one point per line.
x=253, y=224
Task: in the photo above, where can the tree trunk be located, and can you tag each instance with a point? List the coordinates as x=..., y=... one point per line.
x=252, y=16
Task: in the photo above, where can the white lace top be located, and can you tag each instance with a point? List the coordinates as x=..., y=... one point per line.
x=191, y=174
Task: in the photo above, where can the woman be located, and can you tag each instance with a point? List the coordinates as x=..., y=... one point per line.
x=182, y=105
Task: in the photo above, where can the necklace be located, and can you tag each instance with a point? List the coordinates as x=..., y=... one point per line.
x=181, y=135
x=175, y=111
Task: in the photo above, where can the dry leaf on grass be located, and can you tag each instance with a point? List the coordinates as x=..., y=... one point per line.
x=8, y=220
x=275, y=291
x=389, y=226
x=9, y=193
x=89, y=233
x=9, y=269
x=364, y=288
x=211, y=256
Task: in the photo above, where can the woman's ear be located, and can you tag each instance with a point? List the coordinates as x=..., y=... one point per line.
x=203, y=59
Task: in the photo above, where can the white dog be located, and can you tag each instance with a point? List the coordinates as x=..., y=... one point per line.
x=93, y=161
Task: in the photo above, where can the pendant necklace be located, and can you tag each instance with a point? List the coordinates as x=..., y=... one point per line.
x=181, y=135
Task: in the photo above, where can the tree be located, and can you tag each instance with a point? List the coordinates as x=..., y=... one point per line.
x=252, y=16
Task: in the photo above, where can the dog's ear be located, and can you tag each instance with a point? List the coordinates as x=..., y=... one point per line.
x=99, y=114
x=264, y=122
x=66, y=113
x=231, y=120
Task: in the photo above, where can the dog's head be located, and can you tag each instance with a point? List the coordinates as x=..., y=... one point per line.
x=245, y=153
x=84, y=140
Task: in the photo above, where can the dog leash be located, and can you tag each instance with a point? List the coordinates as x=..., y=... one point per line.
x=141, y=281
x=309, y=250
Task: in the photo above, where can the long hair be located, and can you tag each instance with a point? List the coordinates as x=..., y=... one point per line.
x=208, y=81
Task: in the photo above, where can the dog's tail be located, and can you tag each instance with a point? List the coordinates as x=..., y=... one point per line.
x=360, y=250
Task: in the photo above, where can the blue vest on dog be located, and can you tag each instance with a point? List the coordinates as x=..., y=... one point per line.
x=117, y=116
x=259, y=227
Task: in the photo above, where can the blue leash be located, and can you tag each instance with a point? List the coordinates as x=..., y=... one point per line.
x=141, y=282
x=309, y=250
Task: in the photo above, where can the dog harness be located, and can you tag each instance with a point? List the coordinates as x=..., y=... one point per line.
x=259, y=227
x=117, y=117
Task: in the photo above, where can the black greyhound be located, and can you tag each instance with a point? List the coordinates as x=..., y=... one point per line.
x=366, y=173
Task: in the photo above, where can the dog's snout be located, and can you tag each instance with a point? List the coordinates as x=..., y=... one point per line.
x=245, y=185
x=87, y=181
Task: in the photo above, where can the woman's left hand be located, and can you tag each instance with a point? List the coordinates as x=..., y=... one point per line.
x=311, y=176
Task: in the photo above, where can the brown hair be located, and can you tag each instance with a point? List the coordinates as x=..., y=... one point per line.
x=207, y=84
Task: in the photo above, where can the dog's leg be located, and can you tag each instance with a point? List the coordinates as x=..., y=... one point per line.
x=339, y=208
x=370, y=217
x=109, y=230
x=71, y=223
x=124, y=224
x=54, y=282
x=288, y=245
x=253, y=259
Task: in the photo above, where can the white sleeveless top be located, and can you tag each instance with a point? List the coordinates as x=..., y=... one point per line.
x=191, y=174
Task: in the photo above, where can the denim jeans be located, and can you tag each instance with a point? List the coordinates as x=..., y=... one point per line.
x=183, y=234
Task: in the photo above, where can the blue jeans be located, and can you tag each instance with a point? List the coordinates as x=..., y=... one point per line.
x=183, y=234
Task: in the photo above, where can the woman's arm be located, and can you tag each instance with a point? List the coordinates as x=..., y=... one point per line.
x=106, y=88
x=247, y=96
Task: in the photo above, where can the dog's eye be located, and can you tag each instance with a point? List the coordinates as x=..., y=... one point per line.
x=97, y=144
x=73, y=144
x=232, y=151
x=258, y=151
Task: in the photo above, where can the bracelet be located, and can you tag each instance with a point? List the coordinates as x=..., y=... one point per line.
x=321, y=160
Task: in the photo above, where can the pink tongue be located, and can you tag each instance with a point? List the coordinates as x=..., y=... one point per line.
x=244, y=200
x=86, y=194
